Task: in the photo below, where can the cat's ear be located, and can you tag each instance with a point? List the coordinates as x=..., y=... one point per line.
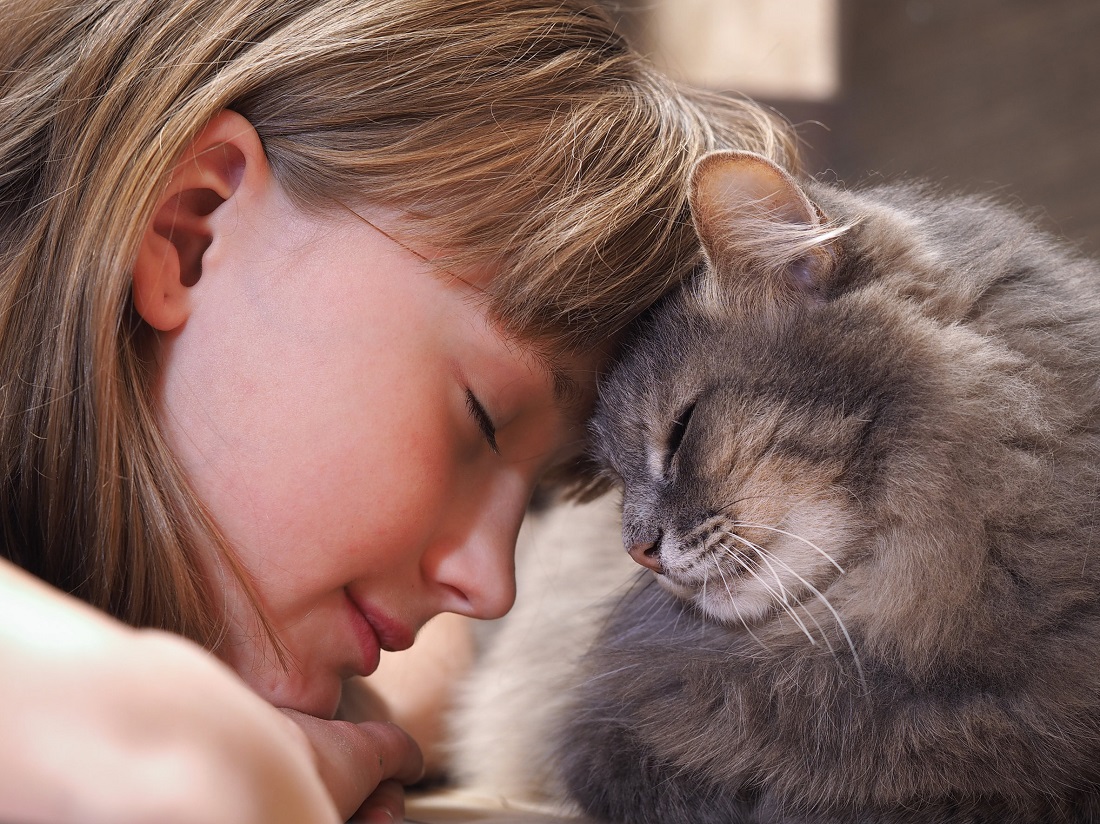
x=761, y=234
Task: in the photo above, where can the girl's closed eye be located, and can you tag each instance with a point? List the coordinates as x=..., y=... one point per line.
x=484, y=422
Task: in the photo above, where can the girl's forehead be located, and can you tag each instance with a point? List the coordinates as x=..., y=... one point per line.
x=571, y=375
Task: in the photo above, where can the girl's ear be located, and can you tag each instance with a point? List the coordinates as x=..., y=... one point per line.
x=224, y=158
x=759, y=230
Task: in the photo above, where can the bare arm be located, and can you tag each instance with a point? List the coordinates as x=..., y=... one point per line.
x=103, y=723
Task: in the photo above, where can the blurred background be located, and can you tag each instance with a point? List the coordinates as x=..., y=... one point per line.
x=997, y=96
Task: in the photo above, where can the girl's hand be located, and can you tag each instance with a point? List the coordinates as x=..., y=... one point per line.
x=363, y=765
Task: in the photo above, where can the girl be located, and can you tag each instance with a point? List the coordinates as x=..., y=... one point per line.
x=299, y=299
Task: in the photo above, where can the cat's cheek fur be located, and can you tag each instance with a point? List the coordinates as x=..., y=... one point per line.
x=792, y=567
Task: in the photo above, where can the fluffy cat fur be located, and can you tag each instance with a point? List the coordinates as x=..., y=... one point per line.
x=861, y=455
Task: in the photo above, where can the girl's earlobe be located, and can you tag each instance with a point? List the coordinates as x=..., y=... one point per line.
x=224, y=156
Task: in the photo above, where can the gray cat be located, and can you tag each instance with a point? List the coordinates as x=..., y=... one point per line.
x=861, y=456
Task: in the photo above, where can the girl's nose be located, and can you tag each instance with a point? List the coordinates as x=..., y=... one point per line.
x=480, y=565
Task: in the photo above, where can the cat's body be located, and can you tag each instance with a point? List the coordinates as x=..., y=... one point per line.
x=867, y=470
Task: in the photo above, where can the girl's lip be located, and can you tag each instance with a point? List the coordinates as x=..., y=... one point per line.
x=370, y=645
x=386, y=633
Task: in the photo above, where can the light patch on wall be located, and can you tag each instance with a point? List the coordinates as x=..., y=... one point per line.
x=776, y=49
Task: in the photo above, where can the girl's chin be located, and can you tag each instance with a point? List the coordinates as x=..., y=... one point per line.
x=293, y=685
x=318, y=695
x=321, y=702
x=322, y=706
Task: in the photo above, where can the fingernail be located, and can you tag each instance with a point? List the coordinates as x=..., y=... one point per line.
x=380, y=815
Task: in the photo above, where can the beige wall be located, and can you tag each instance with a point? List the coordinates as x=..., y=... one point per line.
x=780, y=49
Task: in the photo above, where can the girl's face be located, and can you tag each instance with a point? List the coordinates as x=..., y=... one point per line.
x=364, y=436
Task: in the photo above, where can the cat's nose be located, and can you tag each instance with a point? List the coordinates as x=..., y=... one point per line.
x=648, y=554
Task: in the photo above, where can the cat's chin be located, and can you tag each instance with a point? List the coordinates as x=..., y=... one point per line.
x=720, y=604
x=738, y=611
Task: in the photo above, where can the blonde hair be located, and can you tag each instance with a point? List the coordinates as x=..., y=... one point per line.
x=524, y=134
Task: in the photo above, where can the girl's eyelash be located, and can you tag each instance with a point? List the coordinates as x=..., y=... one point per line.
x=484, y=422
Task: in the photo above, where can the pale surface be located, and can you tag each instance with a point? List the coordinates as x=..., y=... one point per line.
x=459, y=807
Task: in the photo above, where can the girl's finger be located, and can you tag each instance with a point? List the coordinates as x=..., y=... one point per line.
x=386, y=805
x=354, y=759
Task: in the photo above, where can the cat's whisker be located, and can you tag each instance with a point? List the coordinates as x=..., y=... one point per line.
x=780, y=599
x=783, y=596
x=820, y=629
x=779, y=581
x=808, y=543
x=848, y=492
x=825, y=601
x=765, y=555
x=736, y=610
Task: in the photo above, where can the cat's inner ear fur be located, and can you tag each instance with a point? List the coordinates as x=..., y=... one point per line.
x=763, y=237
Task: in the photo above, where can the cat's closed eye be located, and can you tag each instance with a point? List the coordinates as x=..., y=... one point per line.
x=676, y=432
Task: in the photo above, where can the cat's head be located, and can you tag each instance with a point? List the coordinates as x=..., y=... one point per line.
x=772, y=420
